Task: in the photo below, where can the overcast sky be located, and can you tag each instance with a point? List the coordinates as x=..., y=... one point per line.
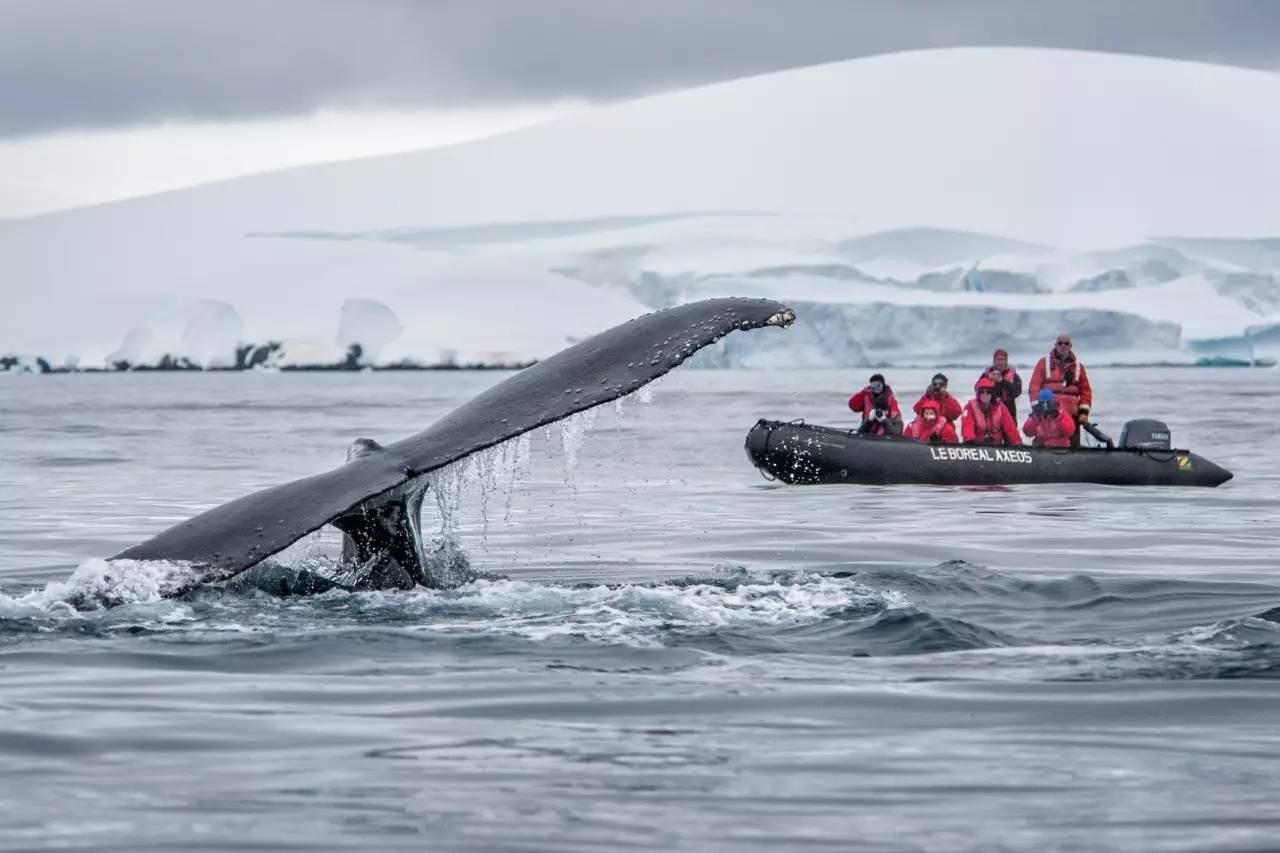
x=86, y=72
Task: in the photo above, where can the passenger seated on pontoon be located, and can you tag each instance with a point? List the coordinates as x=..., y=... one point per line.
x=878, y=408
x=930, y=427
x=986, y=420
x=948, y=406
x=1049, y=425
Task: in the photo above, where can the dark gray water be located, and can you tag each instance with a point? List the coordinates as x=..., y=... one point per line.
x=683, y=656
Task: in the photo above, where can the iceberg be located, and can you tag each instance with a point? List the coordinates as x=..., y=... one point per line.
x=368, y=324
x=211, y=335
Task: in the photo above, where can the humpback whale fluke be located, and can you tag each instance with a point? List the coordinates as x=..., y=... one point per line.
x=376, y=497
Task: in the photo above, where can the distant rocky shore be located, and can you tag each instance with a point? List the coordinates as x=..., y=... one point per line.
x=247, y=357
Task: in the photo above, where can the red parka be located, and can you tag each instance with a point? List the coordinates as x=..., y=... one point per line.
x=922, y=430
x=1051, y=431
x=948, y=406
x=867, y=401
x=989, y=426
x=1068, y=381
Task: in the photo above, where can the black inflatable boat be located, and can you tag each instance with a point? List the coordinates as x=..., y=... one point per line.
x=801, y=453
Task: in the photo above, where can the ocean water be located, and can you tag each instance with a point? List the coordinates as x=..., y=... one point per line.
x=678, y=655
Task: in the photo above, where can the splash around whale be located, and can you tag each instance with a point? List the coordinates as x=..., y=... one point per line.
x=376, y=498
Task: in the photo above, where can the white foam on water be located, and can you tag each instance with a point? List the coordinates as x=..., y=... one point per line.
x=1230, y=634
x=641, y=615
x=99, y=582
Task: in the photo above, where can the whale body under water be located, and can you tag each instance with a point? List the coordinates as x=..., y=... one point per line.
x=376, y=498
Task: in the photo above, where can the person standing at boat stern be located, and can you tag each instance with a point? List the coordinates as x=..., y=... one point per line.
x=930, y=427
x=1050, y=425
x=986, y=420
x=1063, y=374
x=878, y=407
x=1007, y=381
x=949, y=407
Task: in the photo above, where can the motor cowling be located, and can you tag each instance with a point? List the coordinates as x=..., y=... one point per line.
x=1146, y=434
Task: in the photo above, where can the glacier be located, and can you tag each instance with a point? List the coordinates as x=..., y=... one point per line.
x=919, y=208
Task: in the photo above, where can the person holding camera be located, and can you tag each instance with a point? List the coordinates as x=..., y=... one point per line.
x=1063, y=374
x=1050, y=424
x=1008, y=384
x=878, y=407
x=930, y=427
x=948, y=406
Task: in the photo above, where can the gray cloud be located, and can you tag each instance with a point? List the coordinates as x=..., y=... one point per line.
x=90, y=64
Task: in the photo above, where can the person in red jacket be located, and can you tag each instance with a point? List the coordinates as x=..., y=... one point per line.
x=930, y=427
x=878, y=408
x=1050, y=425
x=1008, y=382
x=986, y=420
x=949, y=407
x=1063, y=374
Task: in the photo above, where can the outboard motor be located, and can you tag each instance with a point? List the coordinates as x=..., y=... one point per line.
x=1145, y=434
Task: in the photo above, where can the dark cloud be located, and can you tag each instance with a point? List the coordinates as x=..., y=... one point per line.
x=101, y=63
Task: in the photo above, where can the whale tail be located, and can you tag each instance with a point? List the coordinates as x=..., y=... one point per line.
x=376, y=497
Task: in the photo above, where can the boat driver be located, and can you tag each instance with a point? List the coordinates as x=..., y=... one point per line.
x=878, y=408
x=1063, y=374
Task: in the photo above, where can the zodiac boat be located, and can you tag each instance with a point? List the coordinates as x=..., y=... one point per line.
x=806, y=454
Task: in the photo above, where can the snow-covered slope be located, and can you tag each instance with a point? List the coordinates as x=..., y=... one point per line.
x=993, y=179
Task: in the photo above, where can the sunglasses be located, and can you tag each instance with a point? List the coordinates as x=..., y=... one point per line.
x=877, y=386
x=1064, y=343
